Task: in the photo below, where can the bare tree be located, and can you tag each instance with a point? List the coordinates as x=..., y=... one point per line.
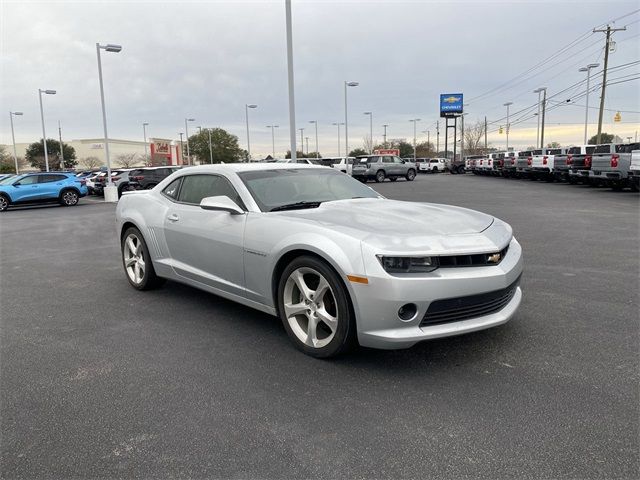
x=367, y=144
x=474, y=139
x=91, y=162
x=127, y=160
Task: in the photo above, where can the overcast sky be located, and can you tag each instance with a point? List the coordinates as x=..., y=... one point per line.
x=206, y=59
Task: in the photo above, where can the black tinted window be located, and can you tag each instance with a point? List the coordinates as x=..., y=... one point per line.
x=196, y=187
x=555, y=151
x=50, y=178
x=573, y=150
x=606, y=148
x=172, y=189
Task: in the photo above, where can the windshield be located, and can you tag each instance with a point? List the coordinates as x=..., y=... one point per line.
x=274, y=188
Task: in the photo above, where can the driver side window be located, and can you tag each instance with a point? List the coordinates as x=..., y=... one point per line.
x=30, y=180
x=196, y=187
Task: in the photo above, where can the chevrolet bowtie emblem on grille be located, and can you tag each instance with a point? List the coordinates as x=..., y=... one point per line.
x=494, y=258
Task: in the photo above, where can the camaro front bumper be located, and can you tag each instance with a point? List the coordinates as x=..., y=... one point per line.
x=378, y=303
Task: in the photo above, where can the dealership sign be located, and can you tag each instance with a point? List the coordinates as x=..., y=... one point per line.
x=450, y=104
x=161, y=148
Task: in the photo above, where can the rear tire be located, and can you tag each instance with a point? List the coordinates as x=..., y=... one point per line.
x=4, y=203
x=137, y=262
x=320, y=324
x=69, y=198
x=411, y=175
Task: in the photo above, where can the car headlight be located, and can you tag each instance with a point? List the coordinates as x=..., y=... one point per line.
x=408, y=264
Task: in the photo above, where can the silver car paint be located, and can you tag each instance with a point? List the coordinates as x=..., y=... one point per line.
x=209, y=254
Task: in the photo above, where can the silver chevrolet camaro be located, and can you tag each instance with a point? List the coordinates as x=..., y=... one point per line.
x=336, y=261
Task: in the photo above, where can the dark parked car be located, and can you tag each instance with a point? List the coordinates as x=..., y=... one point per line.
x=148, y=177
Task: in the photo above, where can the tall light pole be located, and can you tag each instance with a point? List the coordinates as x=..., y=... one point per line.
x=44, y=135
x=586, y=110
x=186, y=129
x=301, y=130
x=315, y=122
x=539, y=91
x=507, y=105
x=144, y=135
x=370, y=131
x=307, y=139
x=544, y=109
x=273, y=139
x=338, y=125
x=13, y=138
x=415, y=122
x=384, y=135
x=246, y=116
x=210, y=148
x=61, y=151
x=346, y=121
x=110, y=191
x=292, y=102
x=181, y=149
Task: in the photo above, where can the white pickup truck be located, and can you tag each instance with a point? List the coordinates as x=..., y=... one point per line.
x=634, y=171
x=542, y=163
x=612, y=167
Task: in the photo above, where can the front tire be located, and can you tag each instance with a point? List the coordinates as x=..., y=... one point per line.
x=314, y=308
x=380, y=176
x=69, y=198
x=137, y=262
x=411, y=174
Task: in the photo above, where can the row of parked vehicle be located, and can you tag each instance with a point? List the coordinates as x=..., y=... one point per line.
x=616, y=165
x=141, y=178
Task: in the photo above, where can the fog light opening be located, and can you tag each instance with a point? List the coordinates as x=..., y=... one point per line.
x=407, y=312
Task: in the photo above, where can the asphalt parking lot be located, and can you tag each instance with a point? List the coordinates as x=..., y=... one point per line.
x=100, y=380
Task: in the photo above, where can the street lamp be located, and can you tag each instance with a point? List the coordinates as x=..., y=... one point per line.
x=315, y=122
x=186, y=129
x=370, y=131
x=539, y=91
x=110, y=191
x=210, y=148
x=13, y=138
x=181, y=149
x=338, y=125
x=586, y=110
x=301, y=130
x=507, y=105
x=44, y=135
x=273, y=139
x=415, y=122
x=384, y=135
x=246, y=115
x=346, y=121
x=144, y=134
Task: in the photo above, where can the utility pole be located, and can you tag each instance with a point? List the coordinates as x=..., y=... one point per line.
x=485, y=134
x=61, y=152
x=437, y=137
x=384, y=135
x=608, y=32
x=544, y=109
x=292, y=103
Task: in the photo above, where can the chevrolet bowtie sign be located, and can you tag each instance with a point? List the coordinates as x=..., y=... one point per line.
x=450, y=104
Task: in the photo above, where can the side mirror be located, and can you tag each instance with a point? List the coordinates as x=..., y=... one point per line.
x=17, y=184
x=221, y=203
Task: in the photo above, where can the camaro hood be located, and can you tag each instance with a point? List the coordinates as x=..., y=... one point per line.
x=396, y=225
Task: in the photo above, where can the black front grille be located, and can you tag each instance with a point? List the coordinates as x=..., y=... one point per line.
x=464, y=308
x=477, y=260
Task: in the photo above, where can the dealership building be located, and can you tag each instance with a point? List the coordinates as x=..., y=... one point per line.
x=162, y=151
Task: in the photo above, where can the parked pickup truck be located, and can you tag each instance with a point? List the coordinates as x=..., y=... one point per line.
x=612, y=168
x=562, y=163
x=523, y=163
x=473, y=163
x=634, y=171
x=379, y=167
x=542, y=163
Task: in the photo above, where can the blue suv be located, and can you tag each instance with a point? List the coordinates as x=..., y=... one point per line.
x=60, y=187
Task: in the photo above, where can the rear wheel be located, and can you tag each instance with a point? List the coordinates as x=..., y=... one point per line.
x=137, y=262
x=4, y=203
x=314, y=308
x=380, y=176
x=69, y=198
x=411, y=174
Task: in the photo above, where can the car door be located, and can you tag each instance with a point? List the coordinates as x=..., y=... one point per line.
x=205, y=245
x=26, y=189
x=399, y=167
x=50, y=185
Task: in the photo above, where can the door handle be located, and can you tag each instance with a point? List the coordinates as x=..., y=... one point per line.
x=173, y=217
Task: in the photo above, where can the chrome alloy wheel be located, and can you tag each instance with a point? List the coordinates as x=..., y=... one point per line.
x=4, y=203
x=134, y=262
x=70, y=198
x=310, y=307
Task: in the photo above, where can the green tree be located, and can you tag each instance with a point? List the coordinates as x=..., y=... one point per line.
x=35, y=155
x=356, y=152
x=553, y=145
x=302, y=154
x=6, y=162
x=406, y=148
x=224, y=146
x=425, y=150
x=604, y=138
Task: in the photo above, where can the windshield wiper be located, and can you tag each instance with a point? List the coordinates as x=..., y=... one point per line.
x=295, y=206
